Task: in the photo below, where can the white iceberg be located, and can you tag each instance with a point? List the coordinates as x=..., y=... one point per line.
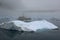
x=42, y=24
x=32, y=26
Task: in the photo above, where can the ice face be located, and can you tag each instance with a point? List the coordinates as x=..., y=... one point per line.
x=42, y=24
x=24, y=26
x=30, y=26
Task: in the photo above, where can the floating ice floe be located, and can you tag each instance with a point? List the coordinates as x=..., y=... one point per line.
x=30, y=26
x=42, y=24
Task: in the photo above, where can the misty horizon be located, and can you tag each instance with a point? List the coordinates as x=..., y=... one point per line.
x=30, y=8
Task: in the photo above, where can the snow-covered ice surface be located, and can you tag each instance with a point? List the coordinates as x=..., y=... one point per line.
x=28, y=26
x=43, y=24
x=34, y=25
x=24, y=26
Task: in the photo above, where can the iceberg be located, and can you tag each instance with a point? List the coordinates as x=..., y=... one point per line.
x=42, y=24
x=29, y=26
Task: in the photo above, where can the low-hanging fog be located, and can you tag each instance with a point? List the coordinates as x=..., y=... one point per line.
x=30, y=8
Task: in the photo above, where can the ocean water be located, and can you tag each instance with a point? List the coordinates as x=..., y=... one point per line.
x=16, y=35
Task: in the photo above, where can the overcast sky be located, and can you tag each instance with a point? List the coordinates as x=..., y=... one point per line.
x=42, y=4
x=32, y=4
x=14, y=7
